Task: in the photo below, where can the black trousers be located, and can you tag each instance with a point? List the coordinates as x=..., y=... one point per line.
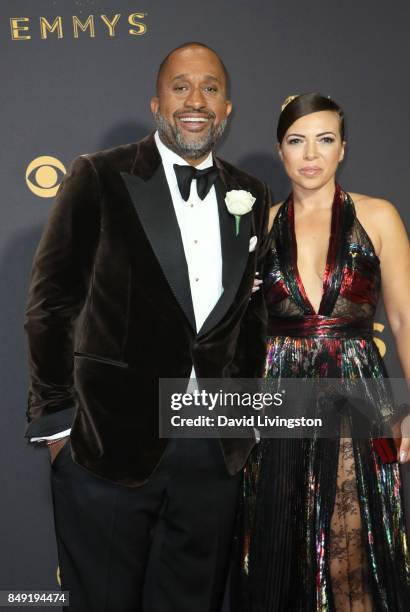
x=162, y=547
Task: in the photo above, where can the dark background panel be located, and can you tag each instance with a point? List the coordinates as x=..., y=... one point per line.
x=63, y=97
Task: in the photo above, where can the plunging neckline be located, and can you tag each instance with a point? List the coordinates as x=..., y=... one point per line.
x=330, y=255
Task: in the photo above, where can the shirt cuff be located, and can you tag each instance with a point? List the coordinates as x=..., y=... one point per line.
x=60, y=434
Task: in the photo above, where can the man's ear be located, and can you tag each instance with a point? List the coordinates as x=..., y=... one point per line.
x=229, y=107
x=154, y=105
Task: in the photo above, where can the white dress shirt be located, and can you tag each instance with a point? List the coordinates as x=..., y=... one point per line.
x=198, y=222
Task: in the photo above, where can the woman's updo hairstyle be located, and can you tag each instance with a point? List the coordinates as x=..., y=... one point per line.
x=295, y=107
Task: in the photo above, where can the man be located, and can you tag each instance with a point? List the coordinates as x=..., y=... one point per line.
x=141, y=274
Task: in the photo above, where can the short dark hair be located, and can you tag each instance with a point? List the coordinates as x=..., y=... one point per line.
x=305, y=104
x=191, y=44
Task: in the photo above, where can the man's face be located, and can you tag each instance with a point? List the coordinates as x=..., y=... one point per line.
x=191, y=108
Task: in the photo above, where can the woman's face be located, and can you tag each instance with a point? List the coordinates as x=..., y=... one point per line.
x=312, y=149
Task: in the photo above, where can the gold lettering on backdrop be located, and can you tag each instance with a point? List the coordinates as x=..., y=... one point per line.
x=84, y=26
x=111, y=24
x=379, y=327
x=20, y=27
x=45, y=27
x=15, y=28
x=142, y=28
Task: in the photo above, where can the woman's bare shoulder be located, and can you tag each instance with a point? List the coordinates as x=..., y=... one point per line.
x=377, y=208
x=273, y=212
x=379, y=217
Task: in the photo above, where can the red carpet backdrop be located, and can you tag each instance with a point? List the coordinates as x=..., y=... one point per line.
x=77, y=76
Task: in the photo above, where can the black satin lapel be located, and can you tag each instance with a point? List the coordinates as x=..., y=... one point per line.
x=153, y=203
x=235, y=253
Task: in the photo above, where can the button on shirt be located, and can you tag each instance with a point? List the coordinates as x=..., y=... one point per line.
x=198, y=222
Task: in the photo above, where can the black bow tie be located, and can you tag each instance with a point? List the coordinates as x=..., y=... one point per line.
x=204, y=180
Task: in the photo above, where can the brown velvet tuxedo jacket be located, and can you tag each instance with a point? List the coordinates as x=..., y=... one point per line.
x=110, y=310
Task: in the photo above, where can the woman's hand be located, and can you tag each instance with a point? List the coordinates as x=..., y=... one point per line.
x=404, y=450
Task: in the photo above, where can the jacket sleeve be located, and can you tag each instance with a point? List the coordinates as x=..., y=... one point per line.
x=250, y=353
x=60, y=281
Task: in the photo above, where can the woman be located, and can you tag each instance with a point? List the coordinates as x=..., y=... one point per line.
x=324, y=523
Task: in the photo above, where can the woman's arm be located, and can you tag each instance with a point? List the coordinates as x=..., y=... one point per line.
x=395, y=270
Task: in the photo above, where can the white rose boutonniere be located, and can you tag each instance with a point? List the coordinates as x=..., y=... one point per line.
x=238, y=203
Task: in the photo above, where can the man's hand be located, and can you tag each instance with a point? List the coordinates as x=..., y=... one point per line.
x=256, y=283
x=55, y=447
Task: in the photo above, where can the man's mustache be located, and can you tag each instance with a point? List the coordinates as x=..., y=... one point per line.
x=202, y=113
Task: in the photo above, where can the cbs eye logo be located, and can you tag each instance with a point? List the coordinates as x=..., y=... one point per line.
x=43, y=176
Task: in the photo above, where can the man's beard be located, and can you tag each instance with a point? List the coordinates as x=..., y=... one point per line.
x=172, y=137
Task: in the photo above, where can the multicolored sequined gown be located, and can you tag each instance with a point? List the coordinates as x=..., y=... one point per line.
x=323, y=523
